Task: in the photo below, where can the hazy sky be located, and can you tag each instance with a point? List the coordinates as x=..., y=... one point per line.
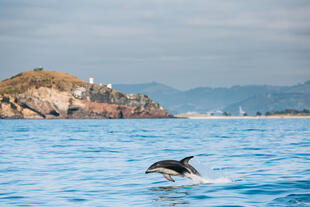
x=182, y=43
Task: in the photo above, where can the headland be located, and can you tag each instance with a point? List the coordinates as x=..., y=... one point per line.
x=41, y=94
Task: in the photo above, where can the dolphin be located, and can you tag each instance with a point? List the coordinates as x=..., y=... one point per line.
x=172, y=167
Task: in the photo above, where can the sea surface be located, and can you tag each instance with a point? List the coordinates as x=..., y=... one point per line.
x=244, y=162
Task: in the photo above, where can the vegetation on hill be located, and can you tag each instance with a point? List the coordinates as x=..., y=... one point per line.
x=38, y=78
x=304, y=112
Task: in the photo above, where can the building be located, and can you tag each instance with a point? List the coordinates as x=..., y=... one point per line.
x=91, y=79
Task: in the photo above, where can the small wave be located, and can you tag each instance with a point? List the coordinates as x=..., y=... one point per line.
x=292, y=200
x=201, y=180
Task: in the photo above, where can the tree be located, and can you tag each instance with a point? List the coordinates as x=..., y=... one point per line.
x=226, y=114
x=40, y=68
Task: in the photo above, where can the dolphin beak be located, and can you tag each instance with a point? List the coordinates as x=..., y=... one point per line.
x=151, y=169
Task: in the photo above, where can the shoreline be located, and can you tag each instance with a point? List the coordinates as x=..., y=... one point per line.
x=205, y=116
x=179, y=116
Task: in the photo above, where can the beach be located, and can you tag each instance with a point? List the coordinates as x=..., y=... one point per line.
x=206, y=116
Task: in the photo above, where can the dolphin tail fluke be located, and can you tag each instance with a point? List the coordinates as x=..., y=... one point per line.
x=168, y=177
x=185, y=160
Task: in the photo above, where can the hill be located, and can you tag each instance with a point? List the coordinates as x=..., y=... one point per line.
x=295, y=97
x=163, y=94
x=154, y=88
x=49, y=94
x=251, y=98
x=271, y=102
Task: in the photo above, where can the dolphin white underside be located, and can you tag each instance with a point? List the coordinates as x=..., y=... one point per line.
x=167, y=173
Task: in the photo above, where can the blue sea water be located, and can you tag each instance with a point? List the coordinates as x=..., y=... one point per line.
x=246, y=162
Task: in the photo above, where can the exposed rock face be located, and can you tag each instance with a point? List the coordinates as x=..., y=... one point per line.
x=44, y=95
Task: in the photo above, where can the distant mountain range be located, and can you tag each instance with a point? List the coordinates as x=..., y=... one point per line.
x=250, y=99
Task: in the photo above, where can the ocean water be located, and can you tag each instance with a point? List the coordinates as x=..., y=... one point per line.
x=244, y=162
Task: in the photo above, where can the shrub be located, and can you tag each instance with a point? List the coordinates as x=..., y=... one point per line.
x=13, y=106
x=6, y=99
x=38, y=69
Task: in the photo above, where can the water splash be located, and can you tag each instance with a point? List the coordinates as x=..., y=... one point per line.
x=201, y=180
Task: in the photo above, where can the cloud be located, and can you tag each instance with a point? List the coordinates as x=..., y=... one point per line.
x=158, y=35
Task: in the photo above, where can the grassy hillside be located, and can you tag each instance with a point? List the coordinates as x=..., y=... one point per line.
x=22, y=81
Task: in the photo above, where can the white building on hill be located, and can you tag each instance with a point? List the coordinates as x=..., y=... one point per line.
x=91, y=79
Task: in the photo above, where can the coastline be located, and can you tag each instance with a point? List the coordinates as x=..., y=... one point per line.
x=205, y=116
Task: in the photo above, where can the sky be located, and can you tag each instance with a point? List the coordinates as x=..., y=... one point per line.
x=181, y=43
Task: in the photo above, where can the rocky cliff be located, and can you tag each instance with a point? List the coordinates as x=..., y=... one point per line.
x=54, y=95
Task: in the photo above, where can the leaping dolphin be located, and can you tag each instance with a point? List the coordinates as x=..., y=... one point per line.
x=172, y=167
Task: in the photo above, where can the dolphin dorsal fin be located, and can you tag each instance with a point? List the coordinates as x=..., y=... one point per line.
x=185, y=160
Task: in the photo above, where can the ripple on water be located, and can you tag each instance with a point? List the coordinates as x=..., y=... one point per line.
x=102, y=162
x=298, y=200
x=77, y=200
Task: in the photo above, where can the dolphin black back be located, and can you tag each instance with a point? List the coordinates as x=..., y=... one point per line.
x=174, y=165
